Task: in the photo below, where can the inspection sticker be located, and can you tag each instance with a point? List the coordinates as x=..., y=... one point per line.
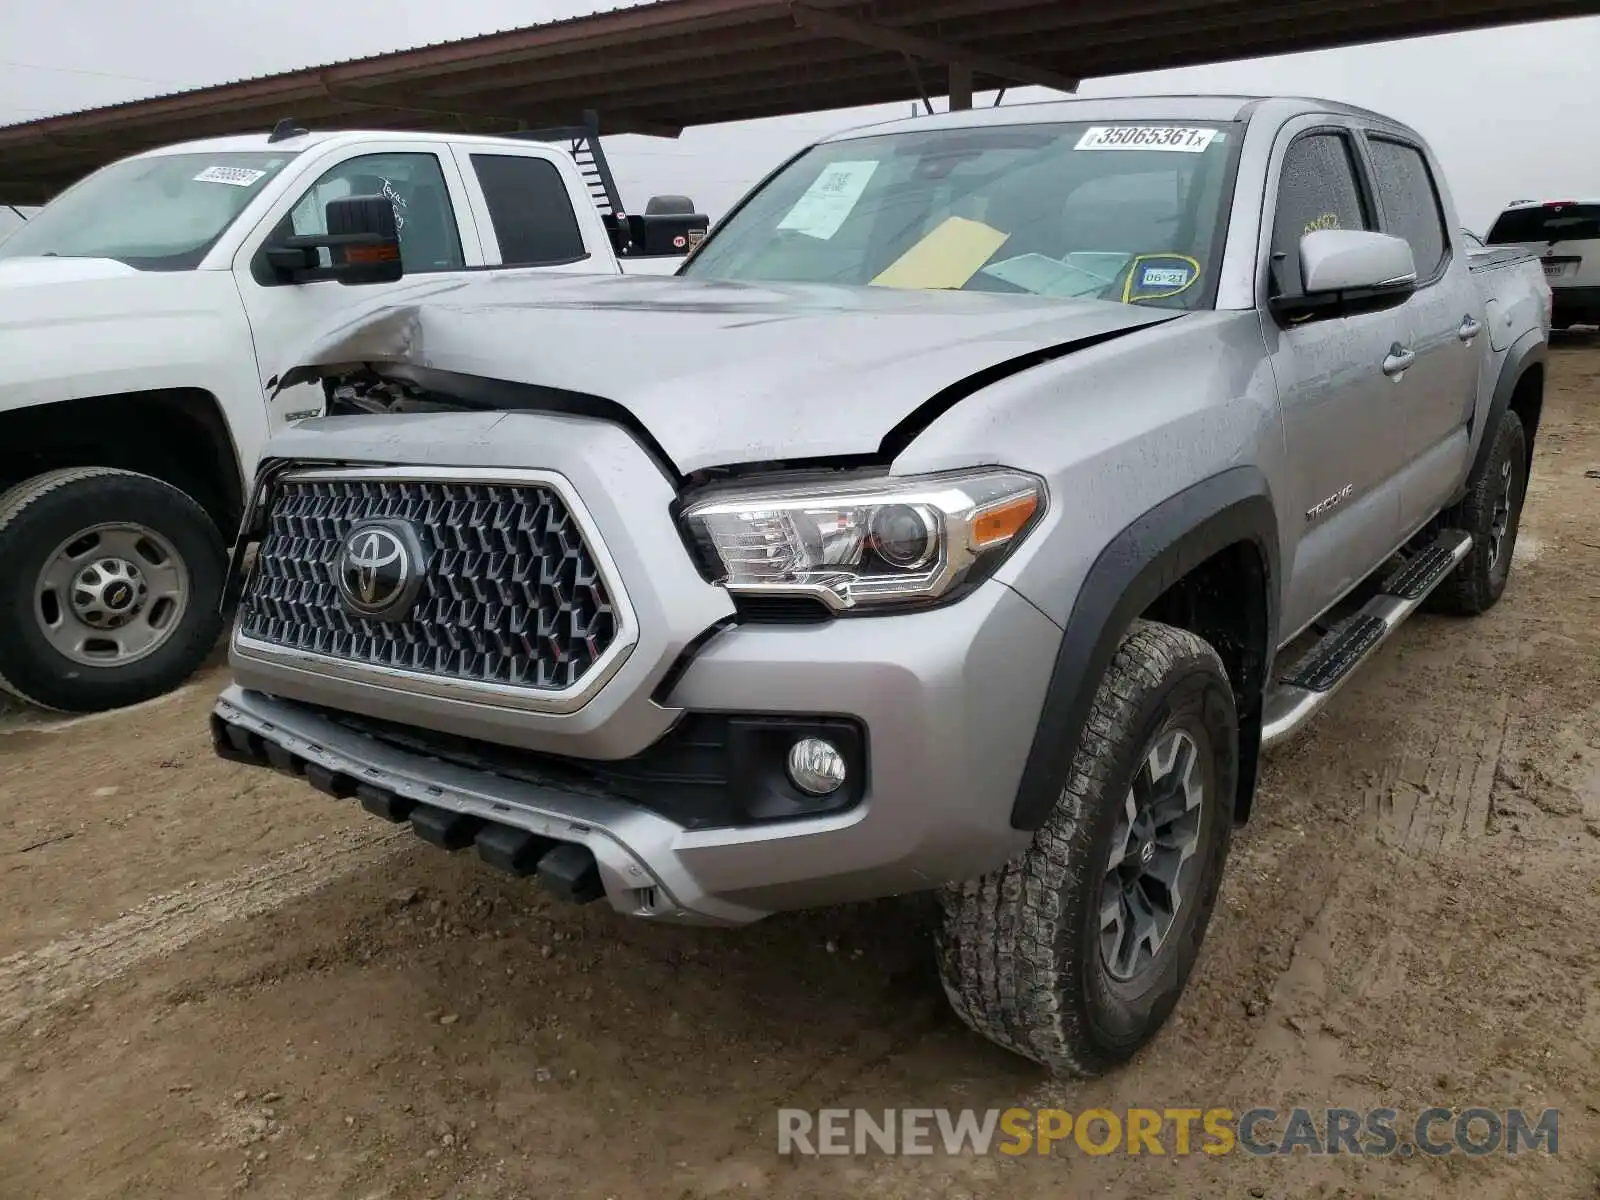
x=1166, y=277
x=1180, y=139
x=1160, y=277
x=828, y=202
x=233, y=176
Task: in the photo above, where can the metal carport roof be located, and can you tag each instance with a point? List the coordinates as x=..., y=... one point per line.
x=660, y=67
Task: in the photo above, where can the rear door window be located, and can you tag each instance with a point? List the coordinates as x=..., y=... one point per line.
x=1411, y=206
x=1318, y=188
x=530, y=209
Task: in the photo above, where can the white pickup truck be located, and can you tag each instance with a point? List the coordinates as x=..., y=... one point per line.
x=144, y=316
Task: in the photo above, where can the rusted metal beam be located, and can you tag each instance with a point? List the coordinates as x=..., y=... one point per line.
x=775, y=41
x=960, y=87
x=1268, y=33
x=24, y=192
x=833, y=25
x=517, y=115
x=652, y=67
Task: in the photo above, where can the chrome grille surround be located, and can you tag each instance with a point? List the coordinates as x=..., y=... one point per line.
x=521, y=605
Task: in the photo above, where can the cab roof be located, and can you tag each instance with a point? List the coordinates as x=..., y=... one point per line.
x=1216, y=108
x=263, y=143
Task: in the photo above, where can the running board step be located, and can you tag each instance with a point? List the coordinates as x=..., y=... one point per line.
x=1422, y=572
x=1301, y=693
x=1337, y=654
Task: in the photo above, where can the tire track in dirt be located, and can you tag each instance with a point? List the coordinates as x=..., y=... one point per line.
x=1437, y=793
x=35, y=982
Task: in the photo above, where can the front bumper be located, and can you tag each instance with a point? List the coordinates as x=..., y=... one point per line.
x=948, y=698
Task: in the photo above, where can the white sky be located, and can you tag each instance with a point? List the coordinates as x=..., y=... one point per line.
x=1512, y=112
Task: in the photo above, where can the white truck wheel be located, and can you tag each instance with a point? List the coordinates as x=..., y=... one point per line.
x=109, y=585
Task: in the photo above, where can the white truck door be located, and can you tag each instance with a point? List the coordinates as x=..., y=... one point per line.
x=1447, y=324
x=532, y=209
x=421, y=181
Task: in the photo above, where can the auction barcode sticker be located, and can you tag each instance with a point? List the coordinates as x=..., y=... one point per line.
x=830, y=199
x=234, y=176
x=1181, y=139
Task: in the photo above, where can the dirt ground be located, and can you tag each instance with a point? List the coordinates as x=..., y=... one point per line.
x=214, y=981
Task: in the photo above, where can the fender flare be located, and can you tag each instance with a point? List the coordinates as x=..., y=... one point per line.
x=1132, y=571
x=1531, y=349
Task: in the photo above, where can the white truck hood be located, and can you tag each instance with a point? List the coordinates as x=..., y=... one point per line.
x=721, y=373
x=29, y=272
x=37, y=293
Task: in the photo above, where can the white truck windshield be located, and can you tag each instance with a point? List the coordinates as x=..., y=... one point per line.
x=1132, y=213
x=161, y=213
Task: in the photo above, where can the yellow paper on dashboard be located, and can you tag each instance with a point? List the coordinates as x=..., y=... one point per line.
x=947, y=257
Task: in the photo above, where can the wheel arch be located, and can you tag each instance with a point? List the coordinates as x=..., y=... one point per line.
x=1519, y=387
x=1206, y=559
x=177, y=435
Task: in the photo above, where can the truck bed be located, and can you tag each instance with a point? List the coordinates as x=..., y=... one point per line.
x=1493, y=258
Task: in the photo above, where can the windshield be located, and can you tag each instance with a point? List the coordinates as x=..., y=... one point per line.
x=1548, y=223
x=1131, y=213
x=161, y=213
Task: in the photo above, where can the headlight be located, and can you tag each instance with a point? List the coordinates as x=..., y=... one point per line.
x=866, y=543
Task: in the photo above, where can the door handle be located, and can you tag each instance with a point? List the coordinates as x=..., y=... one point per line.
x=1399, y=361
x=1470, y=328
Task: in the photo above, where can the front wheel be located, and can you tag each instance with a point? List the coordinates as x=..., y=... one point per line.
x=109, y=583
x=1075, y=952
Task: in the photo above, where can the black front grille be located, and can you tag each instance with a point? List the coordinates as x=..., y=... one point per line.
x=510, y=592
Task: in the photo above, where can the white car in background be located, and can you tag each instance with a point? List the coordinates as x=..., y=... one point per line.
x=1565, y=234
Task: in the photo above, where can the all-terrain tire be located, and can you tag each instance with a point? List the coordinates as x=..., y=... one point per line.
x=1020, y=950
x=1494, y=496
x=39, y=515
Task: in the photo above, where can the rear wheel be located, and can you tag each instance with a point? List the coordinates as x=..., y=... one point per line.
x=1075, y=953
x=109, y=583
x=1492, y=513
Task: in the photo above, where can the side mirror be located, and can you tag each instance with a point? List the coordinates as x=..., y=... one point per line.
x=669, y=227
x=362, y=241
x=1350, y=270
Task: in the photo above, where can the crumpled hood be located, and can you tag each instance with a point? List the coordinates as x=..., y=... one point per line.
x=722, y=373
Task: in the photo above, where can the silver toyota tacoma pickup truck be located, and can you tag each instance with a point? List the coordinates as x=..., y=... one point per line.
x=985, y=495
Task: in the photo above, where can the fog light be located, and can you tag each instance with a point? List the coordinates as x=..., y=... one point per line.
x=815, y=767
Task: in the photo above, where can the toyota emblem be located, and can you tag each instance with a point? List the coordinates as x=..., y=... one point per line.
x=379, y=569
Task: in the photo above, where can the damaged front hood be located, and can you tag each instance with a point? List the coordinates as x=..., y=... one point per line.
x=721, y=373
